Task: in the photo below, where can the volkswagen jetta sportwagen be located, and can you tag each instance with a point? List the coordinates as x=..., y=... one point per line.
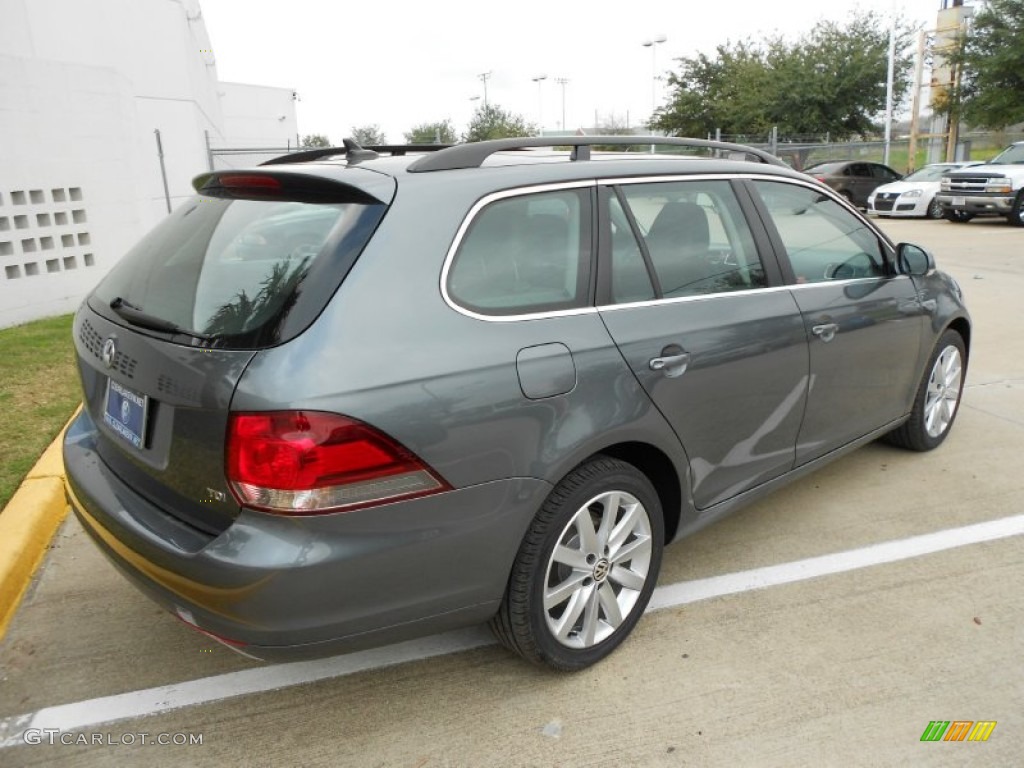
x=353, y=396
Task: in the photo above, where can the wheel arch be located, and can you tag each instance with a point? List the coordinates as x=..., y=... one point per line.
x=963, y=327
x=660, y=470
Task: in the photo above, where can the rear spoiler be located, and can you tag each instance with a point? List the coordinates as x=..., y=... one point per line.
x=372, y=189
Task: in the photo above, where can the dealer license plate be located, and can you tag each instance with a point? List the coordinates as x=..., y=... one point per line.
x=125, y=412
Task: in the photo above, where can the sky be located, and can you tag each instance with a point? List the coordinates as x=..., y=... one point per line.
x=401, y=64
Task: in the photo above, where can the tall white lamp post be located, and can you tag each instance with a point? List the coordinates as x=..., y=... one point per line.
x=563, y=81
x=539, y=79
x=653, y=44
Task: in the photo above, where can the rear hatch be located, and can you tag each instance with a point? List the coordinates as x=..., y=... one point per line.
x=163, y=340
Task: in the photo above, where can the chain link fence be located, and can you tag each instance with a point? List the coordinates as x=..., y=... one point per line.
x=799, y=151
x=804, y=151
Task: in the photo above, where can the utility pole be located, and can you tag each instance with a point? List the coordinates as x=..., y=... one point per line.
x=484, y=77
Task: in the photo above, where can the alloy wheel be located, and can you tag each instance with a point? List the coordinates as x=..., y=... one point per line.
x=597, y=569
x=943, y=391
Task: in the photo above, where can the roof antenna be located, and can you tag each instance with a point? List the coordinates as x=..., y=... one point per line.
x=356, y=154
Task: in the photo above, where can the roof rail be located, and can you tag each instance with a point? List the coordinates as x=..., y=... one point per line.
x=472, y=155
x=353, y=152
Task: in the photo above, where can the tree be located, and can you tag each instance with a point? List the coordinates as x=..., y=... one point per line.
x=831, y=80
x=314, y=140
x=492, y=122
x=368, y=135
x=991, y=60
x=440, y=132
x=613, y=124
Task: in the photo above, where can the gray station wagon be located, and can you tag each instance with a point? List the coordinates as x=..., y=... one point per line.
x=350, y=396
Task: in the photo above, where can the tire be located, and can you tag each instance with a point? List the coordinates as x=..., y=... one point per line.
x=934, y=209
x=595, y=549
x=958, y=217
x=1016, y=215
x=938, y=397
x=847, y=194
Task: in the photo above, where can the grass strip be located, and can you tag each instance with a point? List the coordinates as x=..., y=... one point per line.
x=39, y=390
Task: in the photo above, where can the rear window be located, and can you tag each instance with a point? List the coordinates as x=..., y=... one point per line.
x=240, y=273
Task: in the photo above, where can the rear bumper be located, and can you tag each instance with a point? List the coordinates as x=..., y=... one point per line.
x=287, y=588
x=977, y=203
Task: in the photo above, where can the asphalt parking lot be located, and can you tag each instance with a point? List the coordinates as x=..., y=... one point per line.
x=828, y=624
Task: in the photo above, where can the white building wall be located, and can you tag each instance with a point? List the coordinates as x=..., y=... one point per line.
x=84, y=85
x=67, y=202
x=258, y=116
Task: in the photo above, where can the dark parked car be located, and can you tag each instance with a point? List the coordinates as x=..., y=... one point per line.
x=853, y=179
x=345, y=399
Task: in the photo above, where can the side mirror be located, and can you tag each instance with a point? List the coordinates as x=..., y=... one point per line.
x=914, y=260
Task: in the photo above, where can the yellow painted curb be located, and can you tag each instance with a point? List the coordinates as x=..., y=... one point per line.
x=27, y=525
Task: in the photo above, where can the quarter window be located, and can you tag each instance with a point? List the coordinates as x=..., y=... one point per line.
x=694, y=235
x=524, y=254
x=823, y=240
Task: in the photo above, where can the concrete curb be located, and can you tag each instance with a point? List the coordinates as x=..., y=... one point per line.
x=27, y=525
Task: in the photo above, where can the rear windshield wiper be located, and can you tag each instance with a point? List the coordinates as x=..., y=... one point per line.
x=136, y=316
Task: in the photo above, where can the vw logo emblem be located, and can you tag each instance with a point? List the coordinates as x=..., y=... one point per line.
x=109, y=353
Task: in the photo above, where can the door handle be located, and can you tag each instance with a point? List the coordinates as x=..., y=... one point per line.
x=826, y=331
x=672, y=365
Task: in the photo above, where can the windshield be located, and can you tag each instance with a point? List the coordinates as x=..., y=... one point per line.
x=240, y=273
x=930, y=173
x=1013, y=154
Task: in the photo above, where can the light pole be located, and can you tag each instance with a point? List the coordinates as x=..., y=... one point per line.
x=539, y=79
x=653, y=45
x=562, y=81
x=484, y=77
x=889, y=84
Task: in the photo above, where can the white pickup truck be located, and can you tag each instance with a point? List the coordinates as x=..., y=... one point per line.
x=995, y=187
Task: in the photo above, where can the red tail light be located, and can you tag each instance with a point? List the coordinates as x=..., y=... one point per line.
x=310, y=462
x=249, y=182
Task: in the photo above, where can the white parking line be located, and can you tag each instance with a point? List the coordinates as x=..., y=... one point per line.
x=151, y=701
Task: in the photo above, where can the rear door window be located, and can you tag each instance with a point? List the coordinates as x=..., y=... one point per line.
x=525, y=254
x=883, y=173
x=694, y=235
